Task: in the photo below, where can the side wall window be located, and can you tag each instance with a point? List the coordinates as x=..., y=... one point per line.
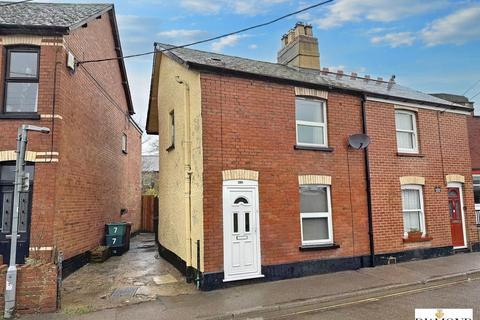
x=311, y=120
x=476, y=194
x=21, y=80
x=406, y=127
x=124, y=143
x=316, y=214
x=172, y=129
x=413, y=212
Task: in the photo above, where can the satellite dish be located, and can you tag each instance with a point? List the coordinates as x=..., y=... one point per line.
x=359, y=141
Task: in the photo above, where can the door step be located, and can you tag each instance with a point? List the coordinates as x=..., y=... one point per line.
x=461, y=250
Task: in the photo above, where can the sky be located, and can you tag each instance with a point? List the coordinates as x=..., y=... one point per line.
x=431, y=46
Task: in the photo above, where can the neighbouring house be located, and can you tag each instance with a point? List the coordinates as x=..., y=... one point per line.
x=474, y=136
x=87, y=171
x=150, y=174
x=257, y=178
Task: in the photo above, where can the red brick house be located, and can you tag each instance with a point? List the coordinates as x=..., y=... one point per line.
x=474, y=134
x=86, y=172
x=258, y=181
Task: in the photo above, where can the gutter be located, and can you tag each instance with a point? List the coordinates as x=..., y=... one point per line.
x=369, y=190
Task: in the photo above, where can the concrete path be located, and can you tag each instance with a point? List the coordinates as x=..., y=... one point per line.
x=250, y=299
x=138, y=275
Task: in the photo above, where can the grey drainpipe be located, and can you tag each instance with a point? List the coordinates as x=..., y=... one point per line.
x=369, y=190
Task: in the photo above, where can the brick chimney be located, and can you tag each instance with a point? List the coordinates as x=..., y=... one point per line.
x=300, y=48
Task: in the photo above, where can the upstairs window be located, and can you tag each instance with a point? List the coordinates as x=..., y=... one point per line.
x=21, y=80
x=311, y=119
x=406, y=126
x=316, y=214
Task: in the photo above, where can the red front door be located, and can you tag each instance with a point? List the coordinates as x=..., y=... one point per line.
x=455, y=206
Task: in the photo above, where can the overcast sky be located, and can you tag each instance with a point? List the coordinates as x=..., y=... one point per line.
x=432, y=46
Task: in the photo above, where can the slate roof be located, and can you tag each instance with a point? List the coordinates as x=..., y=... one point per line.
x=452, y=97
x=372, y=87
x=48, y=16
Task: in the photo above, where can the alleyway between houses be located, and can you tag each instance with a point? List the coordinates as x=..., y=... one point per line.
x=257, y=301
x=136, y=276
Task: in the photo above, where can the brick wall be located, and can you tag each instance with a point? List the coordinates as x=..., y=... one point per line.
x=36, y=288
x=98, y=179
x=93, y=180
x=443, y=144
x=250, y=124
x=474, y=138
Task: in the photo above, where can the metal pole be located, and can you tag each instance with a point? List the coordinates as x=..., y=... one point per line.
x=11, y=281
x=20, y=185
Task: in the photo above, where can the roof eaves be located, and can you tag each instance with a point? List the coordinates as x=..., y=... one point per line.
x=123, y=70
x=9, y=29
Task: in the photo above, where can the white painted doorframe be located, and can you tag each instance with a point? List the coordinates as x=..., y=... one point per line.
x=232, y=190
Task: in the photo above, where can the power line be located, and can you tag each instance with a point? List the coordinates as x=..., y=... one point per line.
x=213, y=38
x=12, y=3
x=478, y=93
x=473, y=86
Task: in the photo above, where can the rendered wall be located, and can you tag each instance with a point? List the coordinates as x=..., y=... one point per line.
x=173, y=222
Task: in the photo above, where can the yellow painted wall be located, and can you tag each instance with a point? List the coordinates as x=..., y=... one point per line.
x=172, y=199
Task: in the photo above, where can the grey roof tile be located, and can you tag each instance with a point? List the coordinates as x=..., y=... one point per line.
x=48, y=14
x=315, y=77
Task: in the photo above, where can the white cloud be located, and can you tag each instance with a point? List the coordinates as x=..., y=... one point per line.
x=228, y=41
x=253, y=46
x=457, y=28
x=202, y=6
x=395, y=39
x=344, y=11
x=181, y=36
x=244, y=7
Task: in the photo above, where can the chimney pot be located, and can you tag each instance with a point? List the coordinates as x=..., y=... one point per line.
x=325, y=70
x=308, y=30
x=380, y=79
x=367, y=77
x=354, y=75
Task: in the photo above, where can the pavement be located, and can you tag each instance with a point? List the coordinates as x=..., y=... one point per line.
x=248, y=301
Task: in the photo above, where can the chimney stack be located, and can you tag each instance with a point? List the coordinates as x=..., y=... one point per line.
x=300, y=48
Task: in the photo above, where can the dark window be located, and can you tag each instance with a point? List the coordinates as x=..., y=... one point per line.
x=240, y=200
x=21, y=80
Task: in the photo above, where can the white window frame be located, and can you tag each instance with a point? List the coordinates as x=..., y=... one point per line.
x=322, y=125
x=477, y=205
x=422, y=208
x=414, y=132
x=327, y=215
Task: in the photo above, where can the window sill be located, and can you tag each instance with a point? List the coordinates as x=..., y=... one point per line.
x=170, y=148
x=317, y=247
x=324, y=149
x=413, y=155
x=413, y=240
x=20, y=115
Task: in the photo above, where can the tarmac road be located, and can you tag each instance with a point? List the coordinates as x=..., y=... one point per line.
x=399, y=306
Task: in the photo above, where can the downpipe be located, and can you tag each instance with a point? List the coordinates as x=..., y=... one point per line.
x=369, y=190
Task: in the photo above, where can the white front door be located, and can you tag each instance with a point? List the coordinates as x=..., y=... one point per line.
x=241, y=230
